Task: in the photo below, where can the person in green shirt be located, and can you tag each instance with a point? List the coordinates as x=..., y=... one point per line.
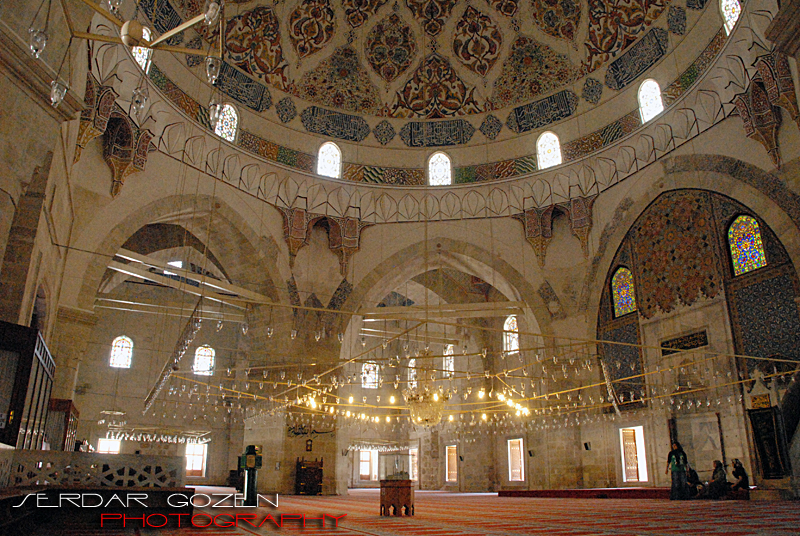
x=677, y=463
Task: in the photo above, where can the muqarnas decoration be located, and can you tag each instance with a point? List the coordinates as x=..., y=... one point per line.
x=390, y=47
x=311, y=26
x=435, y=91
x=253, y=44
x=770, y=88
x=477, y=41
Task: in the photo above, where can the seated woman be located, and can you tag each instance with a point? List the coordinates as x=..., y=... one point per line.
x=693, y=483
x=719, y=485
x=741, y=486
x=742, y=480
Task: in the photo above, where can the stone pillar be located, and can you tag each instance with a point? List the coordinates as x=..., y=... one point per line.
x=19, y=249
x=71, y=337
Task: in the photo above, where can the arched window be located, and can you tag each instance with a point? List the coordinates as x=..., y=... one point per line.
x=121, y=352
x=731, y=9
x=439, y=170
x=622, y=292
x=548, y=150
x=369, y=375
x=329, y=161
x=412, y=373
x=510, y=335
x=650, y=103
x=142, y=54
x=227, y=123
x=747, y=250
x=204, y=360
x=449, y=361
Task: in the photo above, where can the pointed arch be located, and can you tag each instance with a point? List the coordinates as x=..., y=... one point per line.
x=511, y=335
x=142, y=55
x=369, y=375
x=746, y=246
x=204, y=358
x=731, y=9
x=548, y=150
x=329, y=160
x=449, y=361
x=121, y=352
x=650, y=102
x=227, y=126
x=622, y=292
x=440, y=170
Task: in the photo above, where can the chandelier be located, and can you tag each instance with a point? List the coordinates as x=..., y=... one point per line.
x=425, y=401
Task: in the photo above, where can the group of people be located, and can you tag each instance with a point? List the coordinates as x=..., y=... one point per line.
x=687, y=485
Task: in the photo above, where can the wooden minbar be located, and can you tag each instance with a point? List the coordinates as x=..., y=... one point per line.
x=397, y=498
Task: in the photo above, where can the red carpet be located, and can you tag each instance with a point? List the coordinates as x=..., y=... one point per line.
x=597, y=493
x=452, y=514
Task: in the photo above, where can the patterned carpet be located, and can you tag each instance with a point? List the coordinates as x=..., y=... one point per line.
x=478, y=514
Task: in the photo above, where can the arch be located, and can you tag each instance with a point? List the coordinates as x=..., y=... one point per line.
x=227, y=125
x=511, y=335
x=745, y=245
x=370, y=372
x=231, y=227
x=329, y=160
x=761, y=191
x=440, y=169
x=548, y=150
x=409, y=262
x=731, y=10
x=204, y=358
x=650, y=102
x=121, y=352
x=623, y=296
x=142, y=55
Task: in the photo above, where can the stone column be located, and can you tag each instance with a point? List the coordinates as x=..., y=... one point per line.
x=71, y=337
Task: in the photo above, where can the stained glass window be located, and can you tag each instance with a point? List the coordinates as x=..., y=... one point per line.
x=650, y=103
x=747, y=250
x=622, y=292
x=142, y=54
x=449, y=361
x=369, y=375
x=731, y=9
x=227, y=123
x=329, y=160
x=121, y=352
x=204, y=361
x=412, y=373
x=548, y=150
x=510, y=335
x=439, y=170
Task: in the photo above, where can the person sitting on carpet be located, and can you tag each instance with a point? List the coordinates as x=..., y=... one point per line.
x=742, y=480
x=693, y=482
x=719, y=485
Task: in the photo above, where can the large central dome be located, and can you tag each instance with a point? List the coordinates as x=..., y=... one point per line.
x=422, y=74
x=425, y=59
